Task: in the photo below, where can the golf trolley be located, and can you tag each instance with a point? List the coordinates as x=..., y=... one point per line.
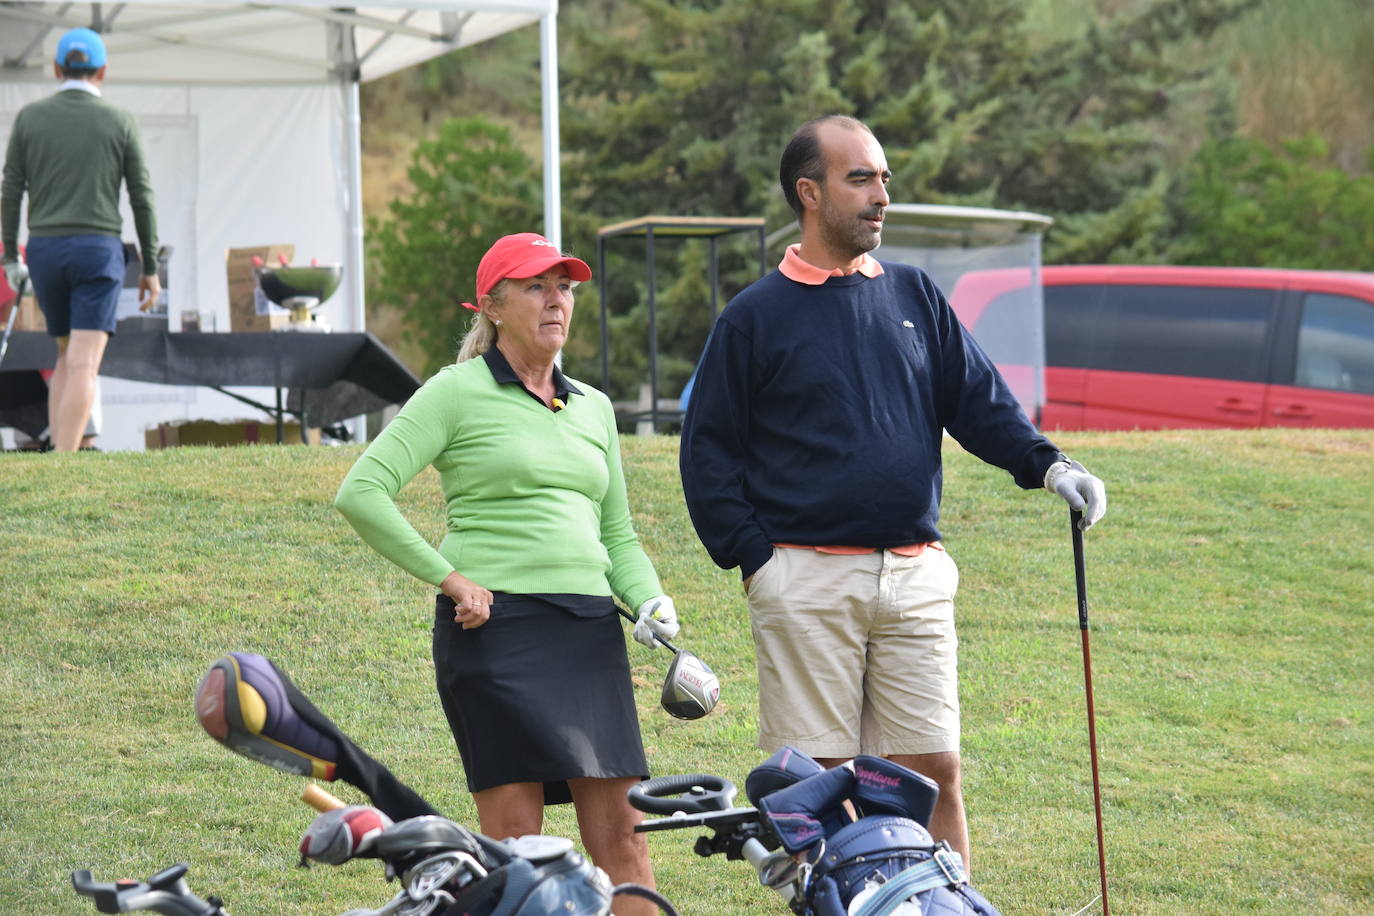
x=848, y=841
x=443, y=869
x=249, y=705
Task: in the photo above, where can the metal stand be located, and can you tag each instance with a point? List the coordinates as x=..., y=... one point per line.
x=278, y=413
x=651, y=228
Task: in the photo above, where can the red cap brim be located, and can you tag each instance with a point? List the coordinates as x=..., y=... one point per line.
x=577, y=268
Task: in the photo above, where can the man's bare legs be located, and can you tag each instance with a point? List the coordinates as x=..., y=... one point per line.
x=71, y=392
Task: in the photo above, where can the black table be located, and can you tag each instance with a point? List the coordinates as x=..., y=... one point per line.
x=321, y=379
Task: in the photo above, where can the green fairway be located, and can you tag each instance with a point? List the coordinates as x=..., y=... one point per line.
x=1230, y=586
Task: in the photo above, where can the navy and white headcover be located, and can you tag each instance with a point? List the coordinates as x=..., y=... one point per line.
x=787, y=766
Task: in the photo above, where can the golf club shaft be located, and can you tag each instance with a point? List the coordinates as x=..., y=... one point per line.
x=631, y=617
x=319, y=798
x=14, y=311
x=1081, y=580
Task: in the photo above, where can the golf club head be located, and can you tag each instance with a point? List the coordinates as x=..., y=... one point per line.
x=691, y=688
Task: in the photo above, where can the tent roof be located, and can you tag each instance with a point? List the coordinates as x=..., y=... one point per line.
x=293, y=41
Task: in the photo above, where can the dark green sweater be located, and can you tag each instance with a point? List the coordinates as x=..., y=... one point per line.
x=70, y=152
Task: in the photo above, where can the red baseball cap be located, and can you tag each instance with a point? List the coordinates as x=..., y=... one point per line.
x=525, y=254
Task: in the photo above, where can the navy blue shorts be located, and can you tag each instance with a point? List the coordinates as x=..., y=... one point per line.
x=76, y=279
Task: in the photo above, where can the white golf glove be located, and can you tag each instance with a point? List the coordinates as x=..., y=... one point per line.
x=657, y=618
x=15, y=274
x=1081, y=490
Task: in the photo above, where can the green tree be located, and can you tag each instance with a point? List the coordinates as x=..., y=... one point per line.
x=683, y=106
x=1243, y=203
x=471, y=185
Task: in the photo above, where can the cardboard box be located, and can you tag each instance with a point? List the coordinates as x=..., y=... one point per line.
x=224, y=432
x=30, y=317
x=249, y=308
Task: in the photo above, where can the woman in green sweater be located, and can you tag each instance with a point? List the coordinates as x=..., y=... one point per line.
x=529, y=654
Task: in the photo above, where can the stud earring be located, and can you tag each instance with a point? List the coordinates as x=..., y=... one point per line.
x=496, y=321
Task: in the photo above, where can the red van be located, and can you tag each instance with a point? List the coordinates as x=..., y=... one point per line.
x=1189, y=347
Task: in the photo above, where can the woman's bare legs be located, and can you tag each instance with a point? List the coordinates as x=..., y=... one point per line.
x=606, y=822
x=515, y=809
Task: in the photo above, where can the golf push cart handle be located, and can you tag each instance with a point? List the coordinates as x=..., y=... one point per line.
x=165, y=892
x=695, y=793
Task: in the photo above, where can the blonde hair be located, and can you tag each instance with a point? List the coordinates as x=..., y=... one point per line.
x=481, y=332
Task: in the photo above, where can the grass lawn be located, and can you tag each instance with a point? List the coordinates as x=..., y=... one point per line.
x=1230, y=587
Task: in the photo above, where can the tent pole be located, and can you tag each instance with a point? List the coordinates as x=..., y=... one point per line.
x=548, y=70
x=353, y=275
x=353, y=269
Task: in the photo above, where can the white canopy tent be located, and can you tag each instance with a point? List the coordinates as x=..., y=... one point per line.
x=250, y=117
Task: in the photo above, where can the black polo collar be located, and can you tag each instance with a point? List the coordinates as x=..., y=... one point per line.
x=505, y=375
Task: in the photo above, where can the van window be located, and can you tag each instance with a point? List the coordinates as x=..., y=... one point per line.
x=1336, y=344
x=1002, y=331
x=1207, y=331
x=1070, y=319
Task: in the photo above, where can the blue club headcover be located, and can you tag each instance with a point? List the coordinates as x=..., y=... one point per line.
x=808, y=811
x=786, y=767
x=884, y=787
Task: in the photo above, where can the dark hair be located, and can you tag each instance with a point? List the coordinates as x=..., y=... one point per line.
x=803, y=157
x=76, y=66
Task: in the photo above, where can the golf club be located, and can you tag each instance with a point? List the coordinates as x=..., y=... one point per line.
x=1081, y=579
x=691, y=688
x=9, y=322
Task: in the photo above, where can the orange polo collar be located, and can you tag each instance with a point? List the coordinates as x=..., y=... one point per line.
x=797, y=270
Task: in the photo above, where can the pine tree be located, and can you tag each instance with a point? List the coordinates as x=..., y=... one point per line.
x=683, y=107
x=472, y=185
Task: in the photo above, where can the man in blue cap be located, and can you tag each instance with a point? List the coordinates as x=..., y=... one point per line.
x=70, y=152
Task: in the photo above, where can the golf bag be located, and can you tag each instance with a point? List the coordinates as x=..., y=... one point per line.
x=549, y=883
x=880, y=859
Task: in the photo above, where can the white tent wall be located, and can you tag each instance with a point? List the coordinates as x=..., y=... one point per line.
x=250, y=124
x=231, y=166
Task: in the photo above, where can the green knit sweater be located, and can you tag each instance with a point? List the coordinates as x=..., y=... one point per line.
x=535, y=499
x=70, y=152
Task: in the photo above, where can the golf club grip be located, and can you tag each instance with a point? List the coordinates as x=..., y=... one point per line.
x=1079, y=575
x=631, y=617
x=320, y=799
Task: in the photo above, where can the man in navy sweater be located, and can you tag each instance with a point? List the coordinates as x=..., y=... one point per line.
x=810, y=459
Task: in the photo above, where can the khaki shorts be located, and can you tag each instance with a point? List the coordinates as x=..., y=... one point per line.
x=856, y=654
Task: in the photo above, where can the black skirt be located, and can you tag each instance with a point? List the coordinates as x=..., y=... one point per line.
x=539, y=693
